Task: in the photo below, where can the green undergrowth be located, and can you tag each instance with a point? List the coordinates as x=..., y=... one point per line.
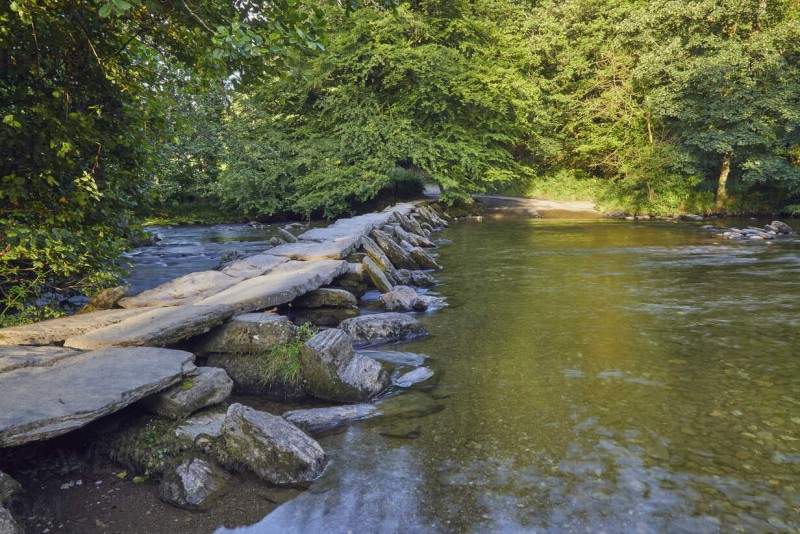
x=281, y=363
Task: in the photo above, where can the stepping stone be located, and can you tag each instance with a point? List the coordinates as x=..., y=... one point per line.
x=57, y=330
x=42, y=402
x=182, y=290
x=16, y=357
x=310, y=251
x=283, y=284
x=157, y=327
x=254, y=265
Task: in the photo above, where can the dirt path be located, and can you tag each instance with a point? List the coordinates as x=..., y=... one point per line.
x=545, y=208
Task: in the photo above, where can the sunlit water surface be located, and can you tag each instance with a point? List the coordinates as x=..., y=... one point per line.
x=591, y=376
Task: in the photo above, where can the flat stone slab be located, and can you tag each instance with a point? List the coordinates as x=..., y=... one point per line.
x=351, y=228
x=182, y=290
x=17, y=357
x=57, y=330
x=157, y=327
x=310, y=251
x=42, y=402
x=283, y=284
x=320, y=421
x=254, y=265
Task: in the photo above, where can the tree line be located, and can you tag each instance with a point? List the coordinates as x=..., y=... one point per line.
x=311, y=107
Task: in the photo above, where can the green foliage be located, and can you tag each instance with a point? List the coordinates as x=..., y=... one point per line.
x=281, y=363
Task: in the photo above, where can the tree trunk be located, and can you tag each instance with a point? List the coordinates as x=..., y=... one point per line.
x=722, y=192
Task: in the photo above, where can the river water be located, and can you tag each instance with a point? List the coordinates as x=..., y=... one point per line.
x=591, y=376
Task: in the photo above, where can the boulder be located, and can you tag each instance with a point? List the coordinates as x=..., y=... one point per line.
x=413, y=239
x=403, y=298
x=377, y=255
x=421, y=279
x=287, y=235
x=194, y=484
x=336, y=298
x=781, y=228
x=399, y=257
x=206, y=424
x=383, y=327
x=271, y=447
x=205, y=386
x=7, y=523
x=377, y=276
x=325, y=316
x=250, y=375
x=105, y=299
x=8, y=489
x=409, y=224
x=157, y=327
x=423, y=259
x=82, y=388
x=320, y=421
x=182, y=290
x=228, y=257
x=333, y=371
x=276, y=241
x=357, y=289
x=416, y=376
x=250, y=333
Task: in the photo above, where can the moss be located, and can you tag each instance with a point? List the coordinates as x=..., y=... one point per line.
x=281, y=363
x=187, y=384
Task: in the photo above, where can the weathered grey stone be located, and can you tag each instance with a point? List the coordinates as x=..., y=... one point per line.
x=423, y=259
x=205, y=386
x=336, y=298
x=413, y=239
x=383, y=327
x=283, y=284
x=249, y=333
x=287, y=235
x=276, y=241
x=355, y=273
x=8, y=488
x=405, y=245
x=274, y=449
x=7, y=523
x=182, y=290
x=312, y=250
x=82, y=388
x=14, y=357
x=353, y=227
x=105, y=299
x=57, y=330
x=194, y=484
x=403, y=298
x=356, y=288
x=333, y=371
x=377, y=276
x=420, y=374
x=324, y=316
x=377, y=255
x=409, y=224
x=399, y=257
x=422, y=279
x=156, y=327
x=207, y=424
x=228, y=257
x=252, y=266
x=320, y=421
x=781, y=227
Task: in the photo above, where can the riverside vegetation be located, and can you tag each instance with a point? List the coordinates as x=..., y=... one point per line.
x=653, y=107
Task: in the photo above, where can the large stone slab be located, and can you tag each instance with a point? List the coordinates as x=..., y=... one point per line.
x=350, y=228
x=57, y=330
x=310, y=251
x=205, y=386
x=283, y=284
x=182, y=290
x=156, y=327
x=254, y=265
x=46, y=401
x=16, y=357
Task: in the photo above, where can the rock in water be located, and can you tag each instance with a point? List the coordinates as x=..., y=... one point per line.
x=399, y=257
x=424, y=259
x=194, y=484
x=318, y=421
x=250, y=333
x=377, y=255
x=376, y=275
x=274, y=449
x=202, y=387
x=337, y=298
x=404, y=298
x=422, y=279
x=781, y=228
x=421, y=374
x=287, y=235
x=383, y=327
x=333, y=371
x=324, y=316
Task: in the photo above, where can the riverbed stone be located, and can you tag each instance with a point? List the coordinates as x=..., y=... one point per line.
x=253, y=266
x=55, y=331
x=399, y=257
x=287, y=235
x=423, y=259
x=271, y=447
x=205, y=386
x=280, y=286
x=321, y=421
x=333, y=371
x=413, y=239
x=105, y=299
x=422, y=279
x=409, y=224
x=204, y=424
x=182, y=290
x=403, y=298
x=326, y=297
x=383, y=327
x=82, y=388
x=420, y=374
x=377, y=255
x=377, y=276
x=781, y=227
x=326, y=316
x=249, y=333
x=194, y=484
x=157, y=327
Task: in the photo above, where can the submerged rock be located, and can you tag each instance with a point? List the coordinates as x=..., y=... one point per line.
x=318, y=421
x=194, y=484
x=287, y=236
x=780, y=227
x=271, y=447
x=420, y=374
x=383, y=327
x=205, y=386
x=333, y=371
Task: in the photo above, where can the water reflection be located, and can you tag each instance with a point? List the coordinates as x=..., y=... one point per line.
x=591, y=377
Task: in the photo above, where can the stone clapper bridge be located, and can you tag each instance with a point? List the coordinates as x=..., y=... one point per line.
x=59, y=375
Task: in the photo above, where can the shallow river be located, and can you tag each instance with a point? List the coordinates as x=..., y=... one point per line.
x=591, y=376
